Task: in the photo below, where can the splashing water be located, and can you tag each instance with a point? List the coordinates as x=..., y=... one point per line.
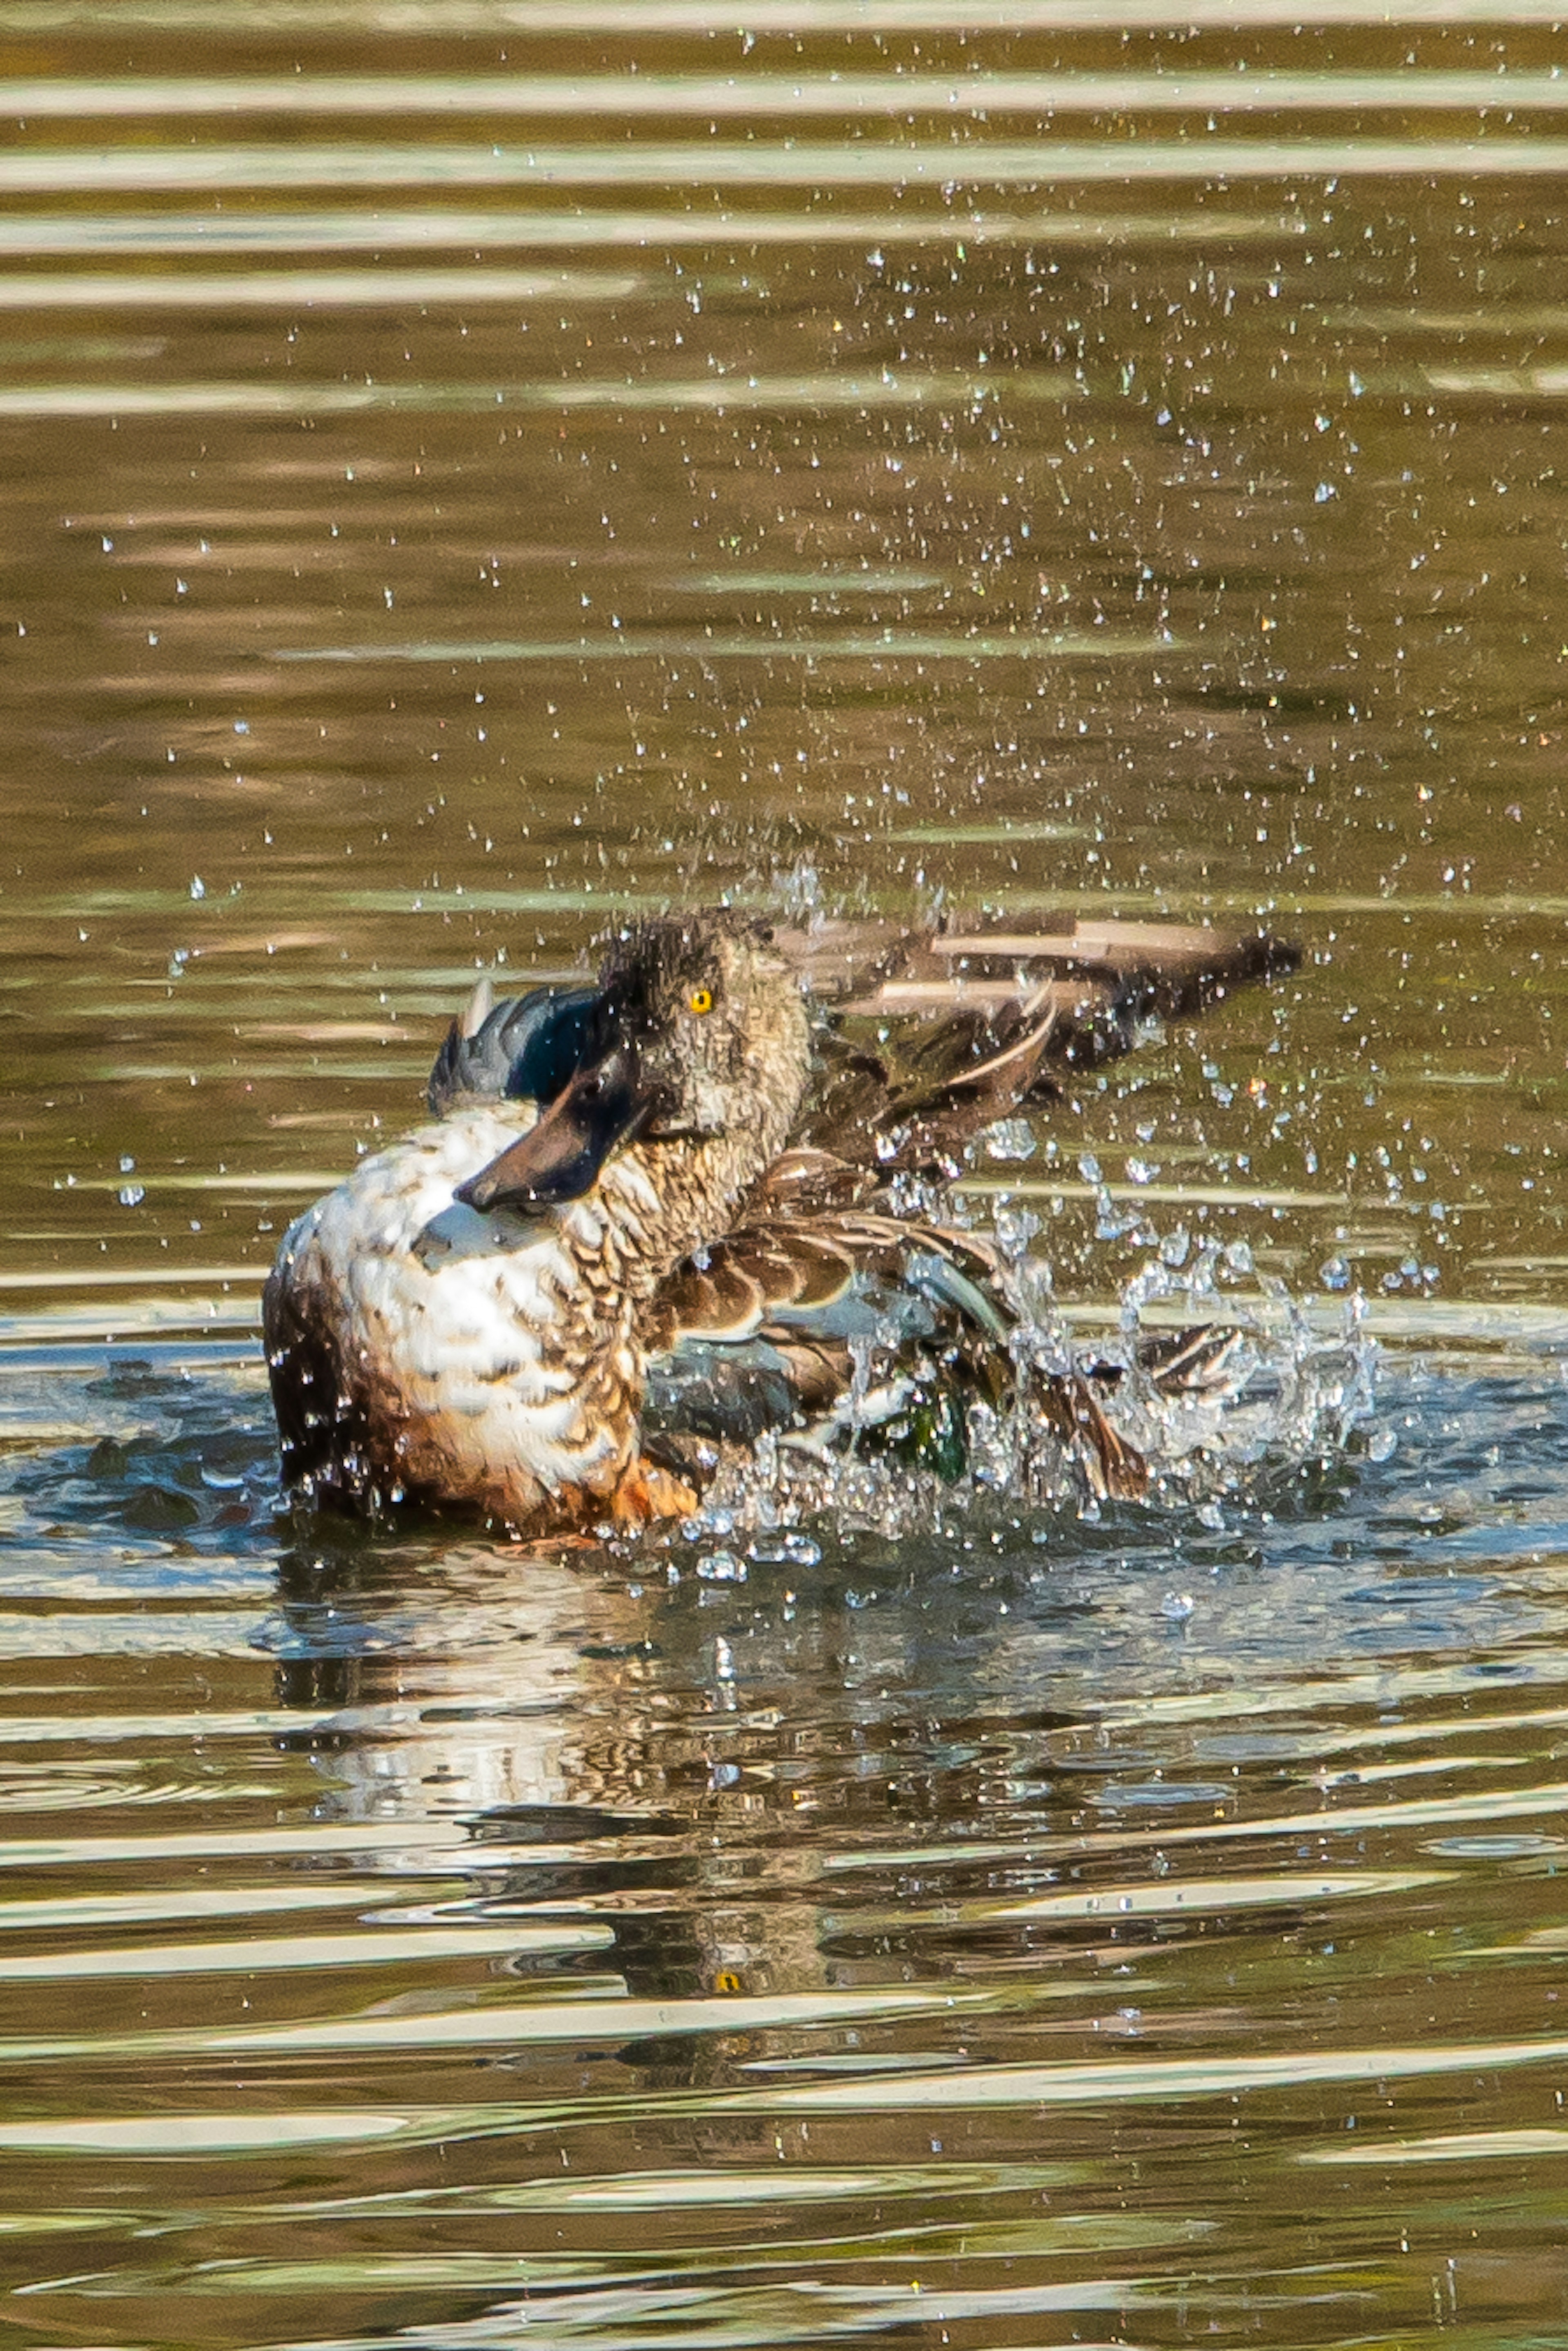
x=1284, y=1392
x=1214, y=1373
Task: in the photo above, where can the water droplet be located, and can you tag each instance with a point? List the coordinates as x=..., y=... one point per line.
x=1010, y=1138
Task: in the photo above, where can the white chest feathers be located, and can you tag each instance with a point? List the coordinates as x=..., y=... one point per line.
x=473, y=1356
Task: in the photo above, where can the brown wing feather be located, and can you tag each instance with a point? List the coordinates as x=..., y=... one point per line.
x=719, y=1298
x=744, y=1279
x=1115, y=1471
x=971, y=1022
x=819, y=1369
x=755, y=1274
x=807, y=1181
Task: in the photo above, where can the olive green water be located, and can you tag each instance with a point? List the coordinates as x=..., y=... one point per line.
x=471, y=467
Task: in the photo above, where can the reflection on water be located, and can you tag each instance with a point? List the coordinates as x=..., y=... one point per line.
x=470, y=470
x=808, y=1896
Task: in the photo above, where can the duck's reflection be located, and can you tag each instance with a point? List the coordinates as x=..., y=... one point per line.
x=587, y=1709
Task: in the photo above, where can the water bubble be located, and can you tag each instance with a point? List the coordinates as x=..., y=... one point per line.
x=721, y=1567
x=1381, y=1443
x=130, y=1195
x=788, y=1549
x=1178, y=1606
x=1335, y=1274
x=1014, y=1226
x=1010, y=1138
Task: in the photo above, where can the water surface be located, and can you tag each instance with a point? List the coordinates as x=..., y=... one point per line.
x=467, y=471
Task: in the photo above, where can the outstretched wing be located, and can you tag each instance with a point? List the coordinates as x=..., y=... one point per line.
x=969, y=1023
x=875, y=966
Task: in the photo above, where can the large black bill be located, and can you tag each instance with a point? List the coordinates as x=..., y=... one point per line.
x=603, y=1107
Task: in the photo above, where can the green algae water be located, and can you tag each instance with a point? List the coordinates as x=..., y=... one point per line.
x=472, y=467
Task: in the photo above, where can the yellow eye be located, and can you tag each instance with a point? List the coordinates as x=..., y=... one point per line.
x=701, y=999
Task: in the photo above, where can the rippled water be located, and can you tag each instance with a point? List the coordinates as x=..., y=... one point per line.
x=468, y=467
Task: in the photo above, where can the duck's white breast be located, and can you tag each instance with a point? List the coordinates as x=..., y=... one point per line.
x=447, y=1313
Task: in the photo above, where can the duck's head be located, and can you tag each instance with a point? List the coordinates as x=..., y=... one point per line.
x=698, y=1034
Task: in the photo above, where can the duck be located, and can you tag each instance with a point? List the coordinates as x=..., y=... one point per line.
x=701, y=1196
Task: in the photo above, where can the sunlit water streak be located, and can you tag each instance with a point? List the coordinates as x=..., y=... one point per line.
x=804, y=164
x=314, y=229
x=761, y=94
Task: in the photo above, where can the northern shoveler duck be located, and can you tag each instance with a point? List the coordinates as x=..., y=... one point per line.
x=681, y=1167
